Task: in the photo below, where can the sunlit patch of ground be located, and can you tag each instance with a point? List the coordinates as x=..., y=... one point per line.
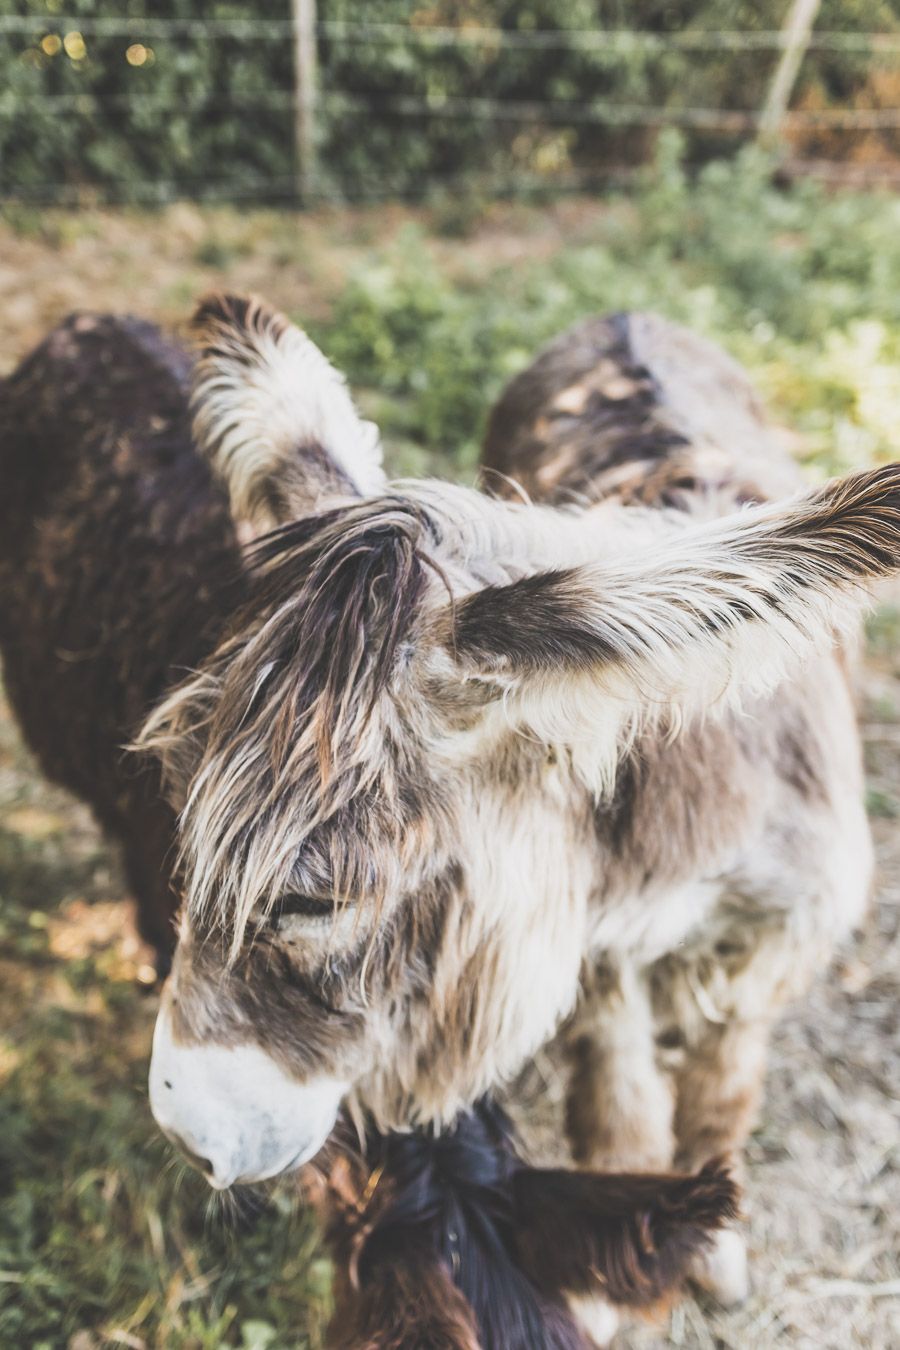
x=157, y=265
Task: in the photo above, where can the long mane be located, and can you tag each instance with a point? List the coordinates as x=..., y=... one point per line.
x=274, y=734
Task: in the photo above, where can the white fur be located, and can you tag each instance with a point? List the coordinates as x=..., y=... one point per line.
x=722, y=1269
x=704, y=614
x=599, y=1318
x=655, y=922
x=236, y=1108
x=532, y=901
x=266, y=393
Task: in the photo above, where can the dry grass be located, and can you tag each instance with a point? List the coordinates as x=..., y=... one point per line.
x=101, y=1242
x=156, y=265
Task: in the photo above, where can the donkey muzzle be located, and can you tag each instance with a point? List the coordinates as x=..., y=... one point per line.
x=233, y=1111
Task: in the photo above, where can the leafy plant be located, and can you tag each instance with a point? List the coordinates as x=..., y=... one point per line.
x=154, y=112
x=802, y=285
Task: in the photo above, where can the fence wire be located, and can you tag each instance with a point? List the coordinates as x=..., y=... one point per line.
x=548, y=111
x=366, y=31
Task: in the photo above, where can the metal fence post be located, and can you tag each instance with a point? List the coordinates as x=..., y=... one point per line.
x=304, y=17
x=797, y=32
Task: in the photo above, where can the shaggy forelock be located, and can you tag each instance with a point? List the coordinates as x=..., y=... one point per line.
x=279, y=732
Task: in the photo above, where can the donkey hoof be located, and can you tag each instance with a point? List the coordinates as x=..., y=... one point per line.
x=722, y=1270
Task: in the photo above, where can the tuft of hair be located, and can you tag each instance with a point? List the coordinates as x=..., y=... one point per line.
x=517, y=1242
x=263, y=393
x=438, y=1209
x=630, y=1237
x=412, y=1303
x=854, y=522
x=277, y=733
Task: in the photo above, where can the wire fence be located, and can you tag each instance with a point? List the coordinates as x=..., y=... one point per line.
x=364, y=31
x=306, y=106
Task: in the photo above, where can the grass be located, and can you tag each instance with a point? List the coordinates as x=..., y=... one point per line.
x=103, y=1242
x=103, y=1238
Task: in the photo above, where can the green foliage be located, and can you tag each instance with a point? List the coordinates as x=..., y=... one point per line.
x=192, y=112
x=78, y=113
x=802, y=285
x=102, y=1237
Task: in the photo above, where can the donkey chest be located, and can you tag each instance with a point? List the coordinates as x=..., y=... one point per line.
x=528, y=882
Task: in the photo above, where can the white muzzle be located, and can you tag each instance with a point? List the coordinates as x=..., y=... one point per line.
x=233, y=1111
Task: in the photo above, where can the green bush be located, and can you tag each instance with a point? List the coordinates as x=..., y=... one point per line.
x=194, y=112
x=802, y=285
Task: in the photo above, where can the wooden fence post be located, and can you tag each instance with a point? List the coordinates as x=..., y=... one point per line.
x=797, y=32
x=304, y=16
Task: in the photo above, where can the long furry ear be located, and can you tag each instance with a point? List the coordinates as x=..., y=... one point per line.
x=288, y=704
x=629, y=1238
x=721, y=608
x=274, y=417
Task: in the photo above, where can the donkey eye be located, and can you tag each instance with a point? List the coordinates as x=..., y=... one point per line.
x=303, y=906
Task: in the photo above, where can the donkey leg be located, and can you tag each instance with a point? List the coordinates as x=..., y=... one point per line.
x=725, y=1002
x=620, y=1106
x=719, y=1089
x=718, y=1093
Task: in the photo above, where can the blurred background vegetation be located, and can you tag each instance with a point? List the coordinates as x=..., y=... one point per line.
x=151, y=99
x=444, y=243
x=801, y=284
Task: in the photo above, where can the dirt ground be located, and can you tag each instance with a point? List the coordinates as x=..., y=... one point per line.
x=823, y=1194
x=158, y=265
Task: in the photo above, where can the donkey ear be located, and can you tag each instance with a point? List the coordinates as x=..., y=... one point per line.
x=630, y=1238
x=719, y=608
x=274, y=417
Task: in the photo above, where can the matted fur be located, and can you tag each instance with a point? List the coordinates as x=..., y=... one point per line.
x=331, y=599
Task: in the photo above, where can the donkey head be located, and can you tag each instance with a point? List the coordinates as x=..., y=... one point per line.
x=386, y=772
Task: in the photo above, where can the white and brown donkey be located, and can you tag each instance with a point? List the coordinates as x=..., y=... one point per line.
x=450, y=770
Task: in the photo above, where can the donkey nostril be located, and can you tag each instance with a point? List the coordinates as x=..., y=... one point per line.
x=202, y=1164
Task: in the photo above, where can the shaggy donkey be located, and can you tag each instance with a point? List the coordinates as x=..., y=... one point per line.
x=119, y=568
x=442, y=761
